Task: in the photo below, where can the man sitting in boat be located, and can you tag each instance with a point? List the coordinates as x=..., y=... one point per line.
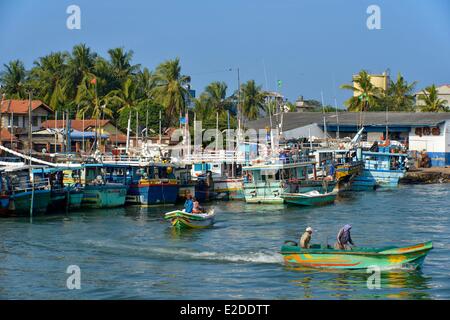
x=189, y=204
x=197, y=208
x=344, y=239
x=306, y=238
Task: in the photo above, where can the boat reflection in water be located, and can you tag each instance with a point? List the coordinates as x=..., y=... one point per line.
x=353, y=284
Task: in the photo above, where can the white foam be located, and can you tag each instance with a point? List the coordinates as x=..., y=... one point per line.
x=251, y=257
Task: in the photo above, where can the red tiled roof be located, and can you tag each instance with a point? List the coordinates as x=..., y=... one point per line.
x=21, y=106
x=120, y=138
x=6, y=135
x=75, y=124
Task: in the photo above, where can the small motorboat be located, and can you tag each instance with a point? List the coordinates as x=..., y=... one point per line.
x=182, y=220
x=311, y=198
x=318, y=256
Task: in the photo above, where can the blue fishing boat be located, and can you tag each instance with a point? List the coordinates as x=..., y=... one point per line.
x=382, y=168
x=153, y=184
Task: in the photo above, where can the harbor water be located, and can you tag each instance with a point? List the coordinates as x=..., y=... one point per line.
x=132, y=253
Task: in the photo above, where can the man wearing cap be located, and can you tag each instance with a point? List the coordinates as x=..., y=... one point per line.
x=306, y=238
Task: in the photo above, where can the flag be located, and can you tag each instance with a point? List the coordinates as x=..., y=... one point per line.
x=94, y=81
x=279, y=83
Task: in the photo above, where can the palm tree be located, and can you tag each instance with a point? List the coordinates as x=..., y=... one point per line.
x=13, y=79
x=80, y=68
x=400, y=95
x=91, y=104
x=125, y=98
x=171, y=88
x=367, y=94
x=215, y=97
x=120, y=64
x=145, y=83
x=432, y=103
x=252, y=100
x=48, y=77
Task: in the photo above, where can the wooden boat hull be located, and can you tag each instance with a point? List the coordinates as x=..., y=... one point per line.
x=411, y=257
x=109, y=195
x=229, y=189
x=304, y=200
x=20, y=203
x=153, y=193
x=75, y=198
x=263, y=192
x=345, y=172
x=58, y=202
x=182, y=220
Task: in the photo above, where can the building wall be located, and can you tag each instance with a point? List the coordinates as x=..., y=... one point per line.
x=304, y=132
x=21, y=121
x=437, y=147
x=378, y=80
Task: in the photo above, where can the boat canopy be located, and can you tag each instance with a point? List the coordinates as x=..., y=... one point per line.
x=76, y=135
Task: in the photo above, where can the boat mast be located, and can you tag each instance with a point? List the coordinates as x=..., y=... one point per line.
x=137, y=128
x=159, y=127
x=324, y=120
x=337, y=118
x=128, y=133
x=30, y=147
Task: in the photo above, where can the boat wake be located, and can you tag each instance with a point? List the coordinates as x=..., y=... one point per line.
x=259, y=257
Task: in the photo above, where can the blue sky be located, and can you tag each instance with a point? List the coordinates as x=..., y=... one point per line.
x=312, y=46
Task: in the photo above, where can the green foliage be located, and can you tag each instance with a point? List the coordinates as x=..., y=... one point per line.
x=170, y=89
x=367, y=95
x=252, y=100
x=13, y=80
x=431, y=100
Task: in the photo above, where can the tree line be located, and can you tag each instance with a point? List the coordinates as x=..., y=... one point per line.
x=81, y=83
x=399, y=96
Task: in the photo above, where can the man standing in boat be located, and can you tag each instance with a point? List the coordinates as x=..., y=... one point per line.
x=344, y=239
x=306, y=238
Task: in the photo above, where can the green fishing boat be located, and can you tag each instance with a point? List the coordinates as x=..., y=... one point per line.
x=410, y=257
x=312, y=198
x=20, y=202
x=97, y=193
x=20, y=194
x=108, y=195
x=182, y=220
x=75, y=197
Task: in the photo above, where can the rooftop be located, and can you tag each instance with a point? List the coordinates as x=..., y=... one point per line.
x=292, y=120
x=79, y=125
x=21, y=106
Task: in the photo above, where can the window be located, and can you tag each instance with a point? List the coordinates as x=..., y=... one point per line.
x=35, y=120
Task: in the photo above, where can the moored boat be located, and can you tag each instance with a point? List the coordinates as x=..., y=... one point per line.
x=21, y=195
x=312, y=198
x=97, y=192
x=410, y=257
x=382, y=168
x=182, y=220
